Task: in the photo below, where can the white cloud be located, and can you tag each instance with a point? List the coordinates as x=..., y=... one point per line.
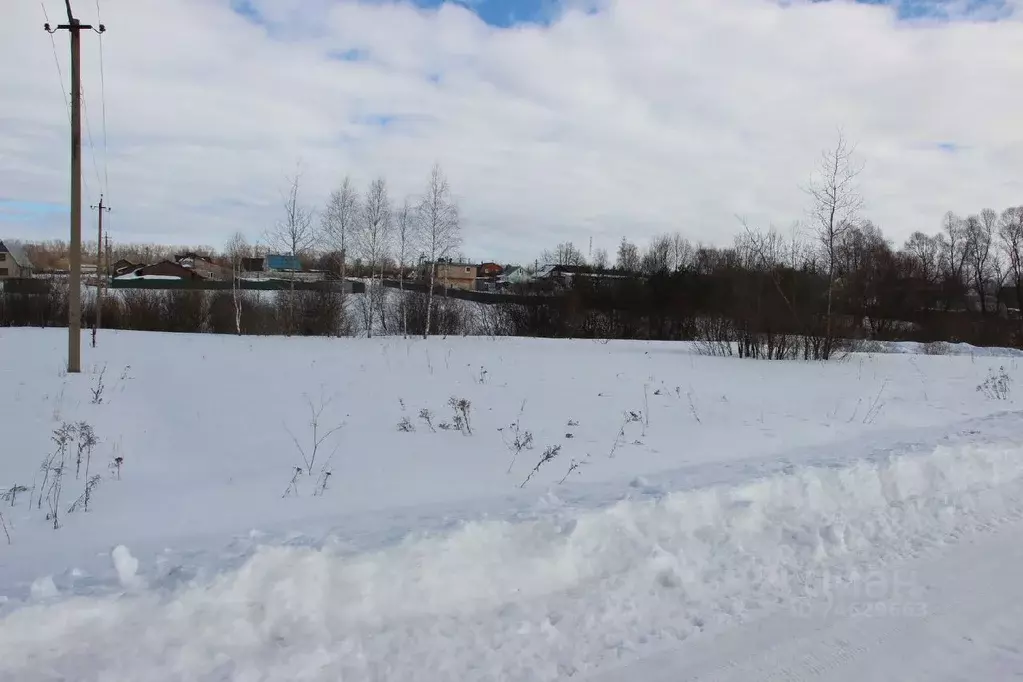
x=649, y=115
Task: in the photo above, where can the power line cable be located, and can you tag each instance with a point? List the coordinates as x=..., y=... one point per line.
x=103, y=100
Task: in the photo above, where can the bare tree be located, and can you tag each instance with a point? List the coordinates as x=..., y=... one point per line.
x=439, y=229
x=405, y=237
x=600, y=259
x=565, y=253
x=374, y=235
x=236, y=249
x=836, y=204
x=628, y=256
x=338, y=223
x=923, y=251
x=681, y=252
x=1010, y=233
x=293, y=235
x=979, y=237
x=658, y=257
x=956, y=248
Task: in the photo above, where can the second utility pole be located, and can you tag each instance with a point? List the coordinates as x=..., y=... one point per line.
x=100, y=277
x=74, y=350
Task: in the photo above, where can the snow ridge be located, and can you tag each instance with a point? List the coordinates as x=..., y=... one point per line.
x=537, y=600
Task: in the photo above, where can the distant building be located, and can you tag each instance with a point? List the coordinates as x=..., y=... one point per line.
x=488, y=270
x=455, y=275
x=283, y=262
x=513, y=274
x=164, y=270
x=14, y=262
x=201, y=265
x=122, y=266
x=257, y=264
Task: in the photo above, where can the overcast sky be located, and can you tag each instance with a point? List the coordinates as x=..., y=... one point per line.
x=553, y=120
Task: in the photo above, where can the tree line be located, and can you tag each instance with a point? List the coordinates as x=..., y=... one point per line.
x=805, y=292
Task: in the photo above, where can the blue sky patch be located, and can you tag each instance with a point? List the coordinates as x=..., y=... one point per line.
x=247, y=9
x=349, y=55
x=509, y=13
x=379, y=120
x=505, y=13
x=943, y=9
x=30, y=207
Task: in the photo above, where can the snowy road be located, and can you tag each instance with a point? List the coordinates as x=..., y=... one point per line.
x=965, y=623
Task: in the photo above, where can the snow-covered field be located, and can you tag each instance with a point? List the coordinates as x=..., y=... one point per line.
x=701, y=518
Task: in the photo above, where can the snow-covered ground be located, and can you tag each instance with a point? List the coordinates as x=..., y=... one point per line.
x=725, y=518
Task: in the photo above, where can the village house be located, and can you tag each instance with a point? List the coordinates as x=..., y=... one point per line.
x=453, y=274
x=14, y=263
x=202, y=266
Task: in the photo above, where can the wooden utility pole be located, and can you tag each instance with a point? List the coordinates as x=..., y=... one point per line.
x=100, y=278
x=74, y=350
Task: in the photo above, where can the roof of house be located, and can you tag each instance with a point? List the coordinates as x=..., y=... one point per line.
x=162, y=270
x=17, y=253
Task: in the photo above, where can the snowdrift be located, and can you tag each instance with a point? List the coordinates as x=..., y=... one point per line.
x=537, y=600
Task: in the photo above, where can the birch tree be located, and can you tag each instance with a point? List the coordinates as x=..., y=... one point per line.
x=628, y=257
x=836, y=202
x=337, y=225
x=405, y=237
x=681, y=252
x=236, y=249
x=293, y=235
x=439, y=229
x=374, y=235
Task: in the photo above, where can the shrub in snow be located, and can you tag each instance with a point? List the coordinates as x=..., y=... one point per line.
x=406, y=425
x=572, y=467
x=427, y=416
x=936, y=348
x=629, y=418
x=11, y=494
x=321, y=483
x=997, y=385
x=82, y=502
x=876, y=406
x=461, y=408
x=551, y=452
x=97, y=390
x=692, y=406
x=318, y=433
x=86, y=442
x=53, y=469
x=115, y=466
x=292, y=488
x=3, y=524
x=519, y=440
